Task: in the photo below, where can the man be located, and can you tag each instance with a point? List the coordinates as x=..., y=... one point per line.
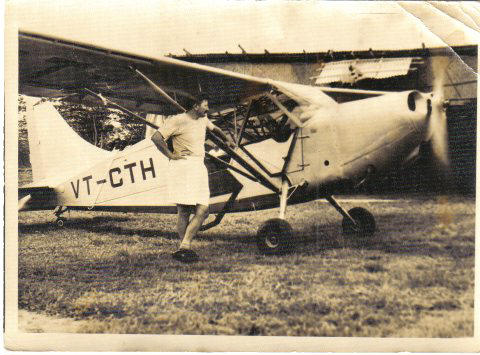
x=188, y=186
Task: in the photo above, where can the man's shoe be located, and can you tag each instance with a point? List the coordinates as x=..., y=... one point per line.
x=185, y=256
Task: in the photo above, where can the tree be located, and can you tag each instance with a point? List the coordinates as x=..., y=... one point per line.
x=104, y=127
x=23, y=151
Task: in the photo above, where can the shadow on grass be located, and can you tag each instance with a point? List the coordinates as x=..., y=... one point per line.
x=70, y=222
x=121, y=231
x=397, y=233
x=98, y=224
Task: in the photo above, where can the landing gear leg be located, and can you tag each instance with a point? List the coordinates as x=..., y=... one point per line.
x=357, y=221
x=275, y=236
x=59, y=210
x=283, y=199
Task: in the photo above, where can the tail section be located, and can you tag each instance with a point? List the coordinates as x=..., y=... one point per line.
x=56, y=150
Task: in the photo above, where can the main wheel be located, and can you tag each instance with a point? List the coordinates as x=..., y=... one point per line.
x=365, y=223
x=275, y=237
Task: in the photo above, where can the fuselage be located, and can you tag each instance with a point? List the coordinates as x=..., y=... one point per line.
x=341, y=142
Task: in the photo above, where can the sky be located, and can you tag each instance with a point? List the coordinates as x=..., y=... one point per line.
x=156, y=28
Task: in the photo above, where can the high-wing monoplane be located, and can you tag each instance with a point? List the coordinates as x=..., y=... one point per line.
x=293, y=143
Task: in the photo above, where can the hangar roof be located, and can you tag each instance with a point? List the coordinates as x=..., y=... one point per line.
x=154, y=28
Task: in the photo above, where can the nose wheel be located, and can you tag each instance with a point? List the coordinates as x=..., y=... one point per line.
x=364, y=226
x=356, y=222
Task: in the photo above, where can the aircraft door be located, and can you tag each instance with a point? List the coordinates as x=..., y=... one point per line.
x=298, y=169
x=316, y=157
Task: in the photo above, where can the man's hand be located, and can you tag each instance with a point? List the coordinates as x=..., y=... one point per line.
x=178, y=156
x=226, y=138
x=160, y=143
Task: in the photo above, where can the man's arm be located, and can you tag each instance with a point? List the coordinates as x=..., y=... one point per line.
x=227, y=139
x=160, y=143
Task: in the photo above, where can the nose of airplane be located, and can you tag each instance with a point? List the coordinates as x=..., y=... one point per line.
x=430, y=121
x=420, y=106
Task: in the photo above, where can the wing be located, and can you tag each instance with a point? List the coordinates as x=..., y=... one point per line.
x=50, y=67
x=257, y=108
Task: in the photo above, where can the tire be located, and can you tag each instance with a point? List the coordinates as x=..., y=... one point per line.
x=60, y=222
x=275, y=237
x=365, y=221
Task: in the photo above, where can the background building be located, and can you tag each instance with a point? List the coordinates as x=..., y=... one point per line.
x=365, y=55
x=366, y=45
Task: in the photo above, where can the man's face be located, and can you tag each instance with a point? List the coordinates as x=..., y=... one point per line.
x=202, y=108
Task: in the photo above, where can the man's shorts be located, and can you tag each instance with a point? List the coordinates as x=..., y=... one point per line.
x=188, y=182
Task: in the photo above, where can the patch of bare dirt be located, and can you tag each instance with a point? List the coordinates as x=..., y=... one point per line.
x=31, y=322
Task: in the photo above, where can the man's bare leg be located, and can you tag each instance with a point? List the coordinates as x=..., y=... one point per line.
x=183, y=217
x=201, y=213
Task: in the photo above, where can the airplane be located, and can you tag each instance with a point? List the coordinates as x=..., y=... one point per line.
x=293, y=143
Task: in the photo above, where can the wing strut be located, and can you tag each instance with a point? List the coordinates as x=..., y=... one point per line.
x=241, y=172
x=282, y=108
x=254, y=172
x=245, y=121
x=121, y=108
x=226, y=209
x=261, y=179
x=159, y=90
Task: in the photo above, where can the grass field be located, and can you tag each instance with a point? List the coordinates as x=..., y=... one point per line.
x=115, y=273
x=115, y=270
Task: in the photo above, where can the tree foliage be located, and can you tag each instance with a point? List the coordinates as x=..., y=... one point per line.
x=104, y=127
x=23, y=156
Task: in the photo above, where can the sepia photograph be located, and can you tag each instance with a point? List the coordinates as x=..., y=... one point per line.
x=240, y=176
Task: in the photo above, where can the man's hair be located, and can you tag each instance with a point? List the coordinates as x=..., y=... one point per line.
x=197, y=100
x=200, y=97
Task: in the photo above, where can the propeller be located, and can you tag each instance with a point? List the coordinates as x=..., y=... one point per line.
x=437, y=130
